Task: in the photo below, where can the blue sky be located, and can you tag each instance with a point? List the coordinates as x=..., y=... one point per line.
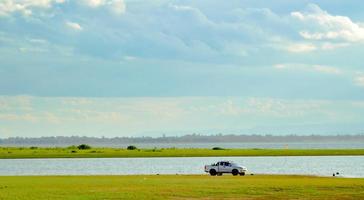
x=131, y=68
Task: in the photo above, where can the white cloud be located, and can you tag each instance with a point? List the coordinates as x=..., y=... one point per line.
x=291, y=45
x=93, y=116
x=16, y=103
x=38, y=41
x=359, y=80
x=332, y=46
x=309, y=47
x=326, y=69
x=25, y=6
x=304, y=67
x=128, y=116
x=19, y=117
x=182, y=7
x=77, y=101
x=297, y=15
x=118, y=7
x=301, y=47
x=40, y=117
x=325, y=26
x=281, y=66
x=94, y=3
x=75, y=26
x=356, y=76
x=129, y=58
x=32, y=49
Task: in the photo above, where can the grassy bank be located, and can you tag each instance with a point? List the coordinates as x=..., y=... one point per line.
x=180, y=187
x=8, y=152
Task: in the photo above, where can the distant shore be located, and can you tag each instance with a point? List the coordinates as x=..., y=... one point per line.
x=73, y=152
x=180, y=187
x=194, y=139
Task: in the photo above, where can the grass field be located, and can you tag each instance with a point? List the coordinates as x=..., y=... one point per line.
x=12, y=152
x=179, y=187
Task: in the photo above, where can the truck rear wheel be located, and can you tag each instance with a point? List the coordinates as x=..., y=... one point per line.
x=235, y=172
x=213, y=172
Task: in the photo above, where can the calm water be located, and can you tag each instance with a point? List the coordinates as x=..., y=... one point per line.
x=348, y=166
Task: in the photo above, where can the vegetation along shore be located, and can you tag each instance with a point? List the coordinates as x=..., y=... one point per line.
x=85, y=151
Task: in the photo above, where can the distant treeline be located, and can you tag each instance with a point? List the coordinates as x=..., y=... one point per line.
x=194, y=138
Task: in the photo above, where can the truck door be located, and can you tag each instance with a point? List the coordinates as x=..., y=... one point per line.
x=228, y=167
x=223, y=167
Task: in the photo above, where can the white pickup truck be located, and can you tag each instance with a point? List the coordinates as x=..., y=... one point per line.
x=225, y=167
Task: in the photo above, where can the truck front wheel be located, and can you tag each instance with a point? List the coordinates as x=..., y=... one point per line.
x=213, y=172
x=235, y=172
x=242, y=174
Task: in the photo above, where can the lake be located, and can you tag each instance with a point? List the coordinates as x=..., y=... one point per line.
x=348, y=166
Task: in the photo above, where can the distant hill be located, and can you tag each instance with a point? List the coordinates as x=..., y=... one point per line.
x=194, y=138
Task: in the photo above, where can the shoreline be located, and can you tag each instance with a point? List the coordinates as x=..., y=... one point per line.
x=35, y=152
x=180, y=175
x=156, y=157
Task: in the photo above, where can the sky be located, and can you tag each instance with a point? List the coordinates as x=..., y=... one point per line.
x=147, y=68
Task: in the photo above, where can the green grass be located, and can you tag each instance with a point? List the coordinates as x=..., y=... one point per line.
x=179, y=187
x=13, y=152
